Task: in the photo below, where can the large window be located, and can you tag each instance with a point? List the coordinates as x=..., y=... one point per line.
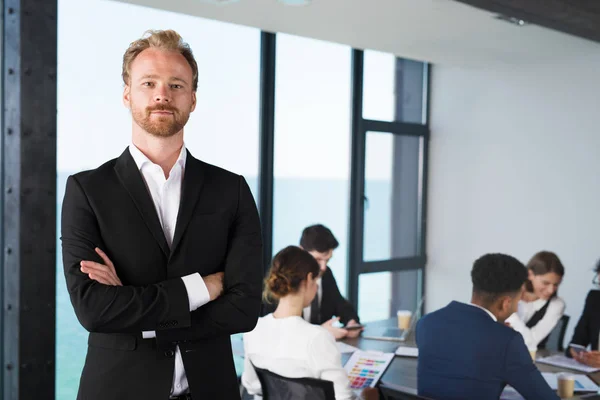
x=389, y=185
x=94, y=126
x=312, y=143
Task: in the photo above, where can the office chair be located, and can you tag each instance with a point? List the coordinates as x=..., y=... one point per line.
x=557, y=336
x=277, y=387
x=392, y=394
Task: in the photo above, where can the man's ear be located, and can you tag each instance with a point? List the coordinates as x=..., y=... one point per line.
x=127, y=96
x=504, y=304
x=193, y=101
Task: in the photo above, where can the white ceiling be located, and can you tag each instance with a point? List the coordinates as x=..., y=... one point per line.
x=438, y=31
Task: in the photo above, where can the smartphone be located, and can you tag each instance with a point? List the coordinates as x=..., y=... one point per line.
x=578, y=348
x=353, y=327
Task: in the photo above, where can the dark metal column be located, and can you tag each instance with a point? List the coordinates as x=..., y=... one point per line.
x=267, y=141
x=29, y=198
x=357, y=179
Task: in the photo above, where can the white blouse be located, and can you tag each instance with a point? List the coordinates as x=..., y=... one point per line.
x=293, y=348
x=533, y=336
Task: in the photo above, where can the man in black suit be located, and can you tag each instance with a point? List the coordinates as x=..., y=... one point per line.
x=328, y=306
x=180, y=268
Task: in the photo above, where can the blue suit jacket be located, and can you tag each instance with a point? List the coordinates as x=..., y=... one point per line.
x=464, y=354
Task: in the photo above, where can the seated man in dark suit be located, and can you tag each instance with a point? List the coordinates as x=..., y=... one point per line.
x=465, y=350
x=328, y=306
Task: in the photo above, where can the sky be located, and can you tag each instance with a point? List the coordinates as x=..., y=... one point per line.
x=312, y=117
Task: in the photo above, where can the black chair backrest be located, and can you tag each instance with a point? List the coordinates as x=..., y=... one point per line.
x=277, y=387
x=557, y=336
x=394, y=394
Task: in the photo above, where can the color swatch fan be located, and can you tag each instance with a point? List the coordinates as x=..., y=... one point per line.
x=365, y=368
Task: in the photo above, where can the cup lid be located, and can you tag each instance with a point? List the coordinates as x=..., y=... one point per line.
x=564, y=376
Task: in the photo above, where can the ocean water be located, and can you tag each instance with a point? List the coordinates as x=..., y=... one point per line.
x=298, y=203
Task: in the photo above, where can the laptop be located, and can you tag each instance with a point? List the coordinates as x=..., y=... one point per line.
x=395, y=334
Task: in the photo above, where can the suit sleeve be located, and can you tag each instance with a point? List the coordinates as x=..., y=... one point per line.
x=581, y=334
x=112, y=309
x=522, y=374
x=238, y=308
x=343, y=308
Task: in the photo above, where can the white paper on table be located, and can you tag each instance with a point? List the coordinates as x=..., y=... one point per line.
x=582, y=382
x=405, y=351
x=559, y=360
x=346, y=348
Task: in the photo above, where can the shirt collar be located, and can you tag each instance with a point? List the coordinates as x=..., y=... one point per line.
x=486, y=310
x=141, y=159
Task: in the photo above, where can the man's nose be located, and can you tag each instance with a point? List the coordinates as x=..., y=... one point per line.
x=162, y=94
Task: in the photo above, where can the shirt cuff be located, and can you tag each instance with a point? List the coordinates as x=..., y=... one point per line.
x=197, y=291
x=149, y=334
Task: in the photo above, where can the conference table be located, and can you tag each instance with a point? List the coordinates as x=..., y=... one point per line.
x=401, y=375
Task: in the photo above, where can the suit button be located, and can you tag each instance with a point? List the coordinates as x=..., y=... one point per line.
x=169, y=353
x=175, y=323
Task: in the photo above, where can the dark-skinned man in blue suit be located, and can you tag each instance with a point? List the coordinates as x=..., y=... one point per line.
x=466, y=352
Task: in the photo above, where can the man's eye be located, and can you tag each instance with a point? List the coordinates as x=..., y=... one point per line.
x=176, y=86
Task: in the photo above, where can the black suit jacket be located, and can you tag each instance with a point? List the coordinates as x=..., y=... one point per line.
x=587, y=329
x=332, y=302
x=217, y=230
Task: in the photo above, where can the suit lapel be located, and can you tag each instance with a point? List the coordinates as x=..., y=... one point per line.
x=132, y=180
x=193, y=180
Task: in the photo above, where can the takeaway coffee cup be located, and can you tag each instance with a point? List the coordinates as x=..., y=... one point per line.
x=566, y=385
x=404, y=319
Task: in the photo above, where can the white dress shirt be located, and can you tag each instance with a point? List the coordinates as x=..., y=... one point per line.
x=306, y=311
x=166, y=195
x=533, y=336
x=486, y=310
x=293, y=348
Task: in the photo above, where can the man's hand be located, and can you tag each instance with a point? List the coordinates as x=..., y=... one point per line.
x=353, y=333
x=590, y=358
x=338, y=333
x=101, y=273
x=370, y=394
x=214, y=284
x=574, y=355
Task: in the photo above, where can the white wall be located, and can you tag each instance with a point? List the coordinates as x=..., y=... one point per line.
x=514, y=167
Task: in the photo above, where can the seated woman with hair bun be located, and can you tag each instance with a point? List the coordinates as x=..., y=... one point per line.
x=283, y=342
